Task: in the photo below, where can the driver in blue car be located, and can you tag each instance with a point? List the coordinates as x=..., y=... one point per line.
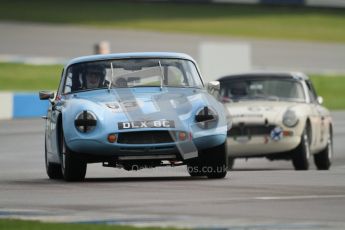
x=94, y=78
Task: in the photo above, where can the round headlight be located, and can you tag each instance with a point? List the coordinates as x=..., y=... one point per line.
x=85, y=121
x=290, y=119
x=206, y=118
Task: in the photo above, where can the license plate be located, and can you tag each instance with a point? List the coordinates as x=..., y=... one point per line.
x=146, y=124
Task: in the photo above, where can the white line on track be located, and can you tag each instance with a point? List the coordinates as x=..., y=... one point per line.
x=298, y=197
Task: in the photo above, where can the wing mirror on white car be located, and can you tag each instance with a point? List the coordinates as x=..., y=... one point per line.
x=213, y=88
x=320, y=100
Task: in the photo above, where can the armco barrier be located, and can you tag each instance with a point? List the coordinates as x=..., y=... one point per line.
x=6, y=105
x=283, y=2
x=312, y=3
x=21, y=105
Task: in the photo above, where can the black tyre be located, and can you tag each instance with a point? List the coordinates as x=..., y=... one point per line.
x=53, y=170
x=211, y=162
x=301, y=155
x=72, y=167
x=215, y=161
x=231, y=162
x=322, y=160
x=194, y=168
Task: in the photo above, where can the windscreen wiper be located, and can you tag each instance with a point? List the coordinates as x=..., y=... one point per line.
x=162, y=74
x=112, y=76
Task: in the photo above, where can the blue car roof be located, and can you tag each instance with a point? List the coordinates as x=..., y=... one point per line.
x=129, y=55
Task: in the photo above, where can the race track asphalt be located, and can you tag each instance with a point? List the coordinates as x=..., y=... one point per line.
x=257, y=194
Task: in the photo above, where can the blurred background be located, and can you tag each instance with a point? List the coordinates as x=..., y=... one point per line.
x=224, y=36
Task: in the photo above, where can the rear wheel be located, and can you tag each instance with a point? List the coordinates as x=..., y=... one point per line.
x=322, y=160
x=53, y=170
x=301, y=155
x=72, y=167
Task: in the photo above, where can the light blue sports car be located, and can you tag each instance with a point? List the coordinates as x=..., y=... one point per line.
x=134, y=110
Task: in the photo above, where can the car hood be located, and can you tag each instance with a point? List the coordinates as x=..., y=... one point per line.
x=144, y=104
x=259, y=111
x=140, y=101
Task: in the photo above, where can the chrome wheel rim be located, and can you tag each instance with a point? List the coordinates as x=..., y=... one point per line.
x=306, y=145
x=46, y=155
x=63, y=156
x=330, y=148
x=46, y=160
x=63, y=163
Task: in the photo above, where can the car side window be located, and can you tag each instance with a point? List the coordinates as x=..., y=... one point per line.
x=311, y=92
x=67, y=86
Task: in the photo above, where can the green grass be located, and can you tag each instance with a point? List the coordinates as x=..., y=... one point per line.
x=275, y=22
x=22, y=77
x=7, y=224
x=331, y=89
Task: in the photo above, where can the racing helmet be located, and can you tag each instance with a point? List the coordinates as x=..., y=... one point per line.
x=94, y=76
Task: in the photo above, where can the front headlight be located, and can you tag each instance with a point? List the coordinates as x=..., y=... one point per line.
x=206, y=118
x=290, y=119
x=85, y=121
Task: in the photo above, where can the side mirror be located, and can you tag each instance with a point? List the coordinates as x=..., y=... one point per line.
x=213, y=88
x=320, y=100
x=45, y=95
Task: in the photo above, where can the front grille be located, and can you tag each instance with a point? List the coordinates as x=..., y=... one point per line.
x=146, y=137
x=250, y=130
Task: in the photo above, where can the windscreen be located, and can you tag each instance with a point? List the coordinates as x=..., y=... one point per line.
x=128, y=73
x=262, y=88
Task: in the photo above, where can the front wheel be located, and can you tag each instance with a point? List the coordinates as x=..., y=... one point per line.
x=301, y=155
x=322, y=160
x=211, y=162
x=231, y=162
x=73, y=168
x=216, y=161
x=194, y=169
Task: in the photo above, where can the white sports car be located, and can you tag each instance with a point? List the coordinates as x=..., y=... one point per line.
x=278, y=116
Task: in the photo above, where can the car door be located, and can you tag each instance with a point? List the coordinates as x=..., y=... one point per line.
x=317, y=118
x=54, y=111
x=324, y=120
